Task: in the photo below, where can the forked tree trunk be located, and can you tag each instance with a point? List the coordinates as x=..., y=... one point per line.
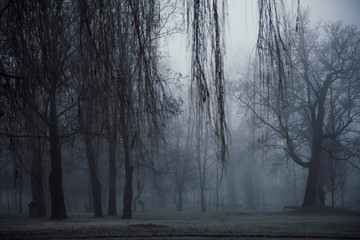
x=318, y=134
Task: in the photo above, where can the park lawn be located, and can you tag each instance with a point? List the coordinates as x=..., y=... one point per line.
x=323, y=224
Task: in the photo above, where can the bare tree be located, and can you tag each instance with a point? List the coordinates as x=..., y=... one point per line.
x=38, y=39
x=317, y=65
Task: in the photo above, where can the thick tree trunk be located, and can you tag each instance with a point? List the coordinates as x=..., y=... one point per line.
x=311, y=186
x=58, y=210
x=315, y=161
x=38, y=206
x=95, y=182
x=314, y=170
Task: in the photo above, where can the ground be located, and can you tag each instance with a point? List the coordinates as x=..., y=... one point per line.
x=309, y=223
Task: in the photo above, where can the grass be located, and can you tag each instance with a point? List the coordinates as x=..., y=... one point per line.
x=303, y=223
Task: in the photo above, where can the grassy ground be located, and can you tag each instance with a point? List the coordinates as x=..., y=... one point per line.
x=303, y=223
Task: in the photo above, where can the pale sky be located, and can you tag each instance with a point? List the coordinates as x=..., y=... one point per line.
x=242, y=28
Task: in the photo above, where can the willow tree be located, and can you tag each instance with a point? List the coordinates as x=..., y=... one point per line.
x=145, y=104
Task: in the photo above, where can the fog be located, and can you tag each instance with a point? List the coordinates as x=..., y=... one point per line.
x=145, y=110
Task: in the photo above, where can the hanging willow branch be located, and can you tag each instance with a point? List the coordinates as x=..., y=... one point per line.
x=274, y=46
x=207, y=89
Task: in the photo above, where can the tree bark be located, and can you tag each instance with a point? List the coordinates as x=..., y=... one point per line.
x=112, y=135
x=128, y=190
x=58, y=210
x=37, y=188
x=112, y=176
x=92, y=162
x=314, y=167
x=317, y=122
x=311, y=184
x=202, y=198
x=95, y=182
x=179, y=205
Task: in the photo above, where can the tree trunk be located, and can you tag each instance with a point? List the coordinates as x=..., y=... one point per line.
x=315, y=161
x=202, y=198
x=58, y=210
x=136, y=198
x=95, y=182
x=314, y=168
x=179, y=206
x=20, y=189
x=112, y=176
x=128, y=190
x=92, y=162
x=112, y=134
x=311, y=186
x=37, y=187
x=90, y=206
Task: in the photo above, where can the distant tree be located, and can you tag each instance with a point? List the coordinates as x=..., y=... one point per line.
x=179, y=158
x=335, y=174
x=298, y=114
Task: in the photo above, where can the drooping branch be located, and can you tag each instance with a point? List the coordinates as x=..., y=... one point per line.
x=273, y=46
x=207, y=88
